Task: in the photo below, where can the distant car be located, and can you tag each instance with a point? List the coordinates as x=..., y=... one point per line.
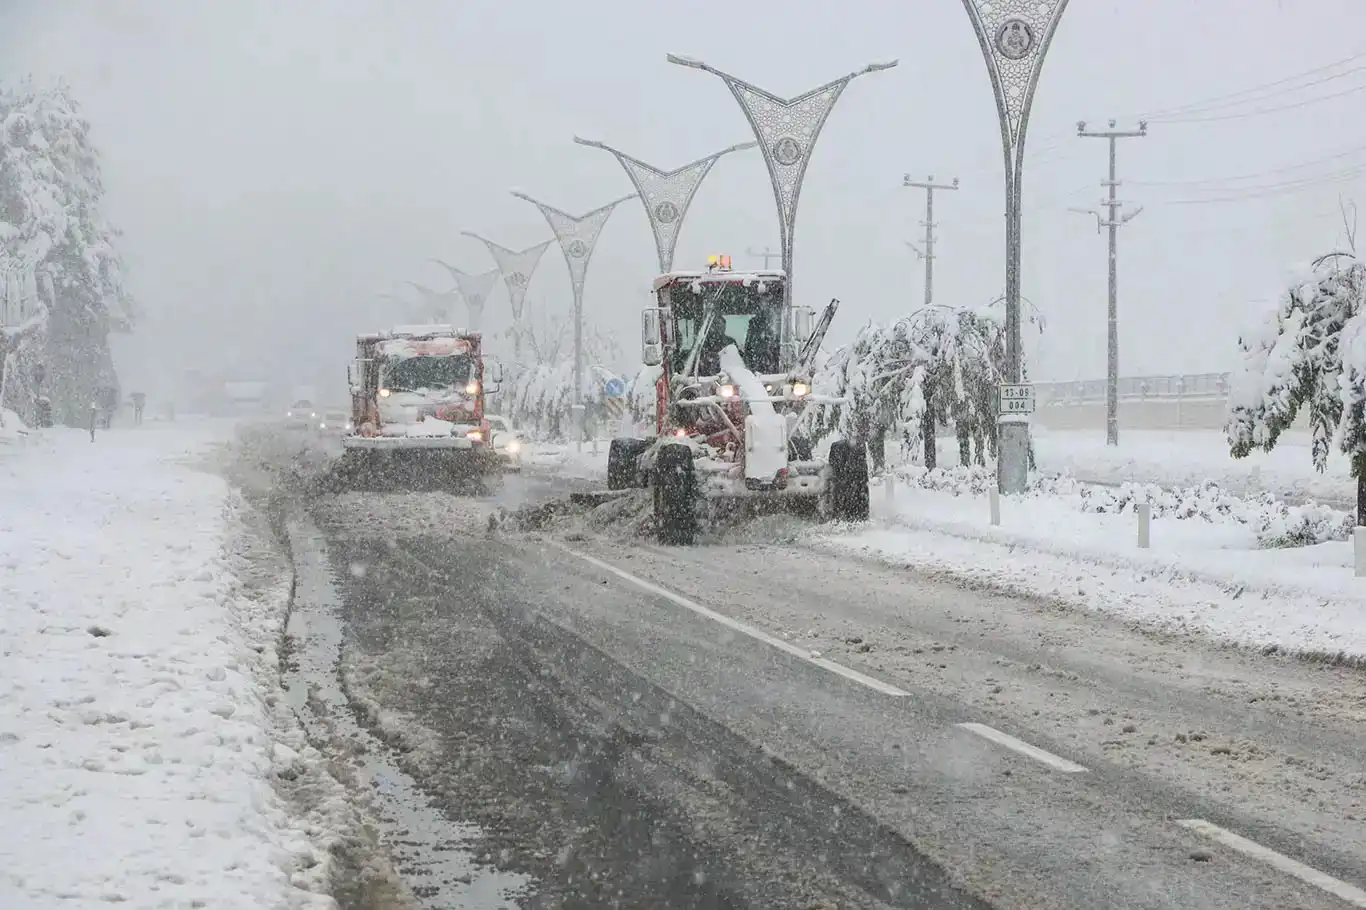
x=507, y=441
x=334, y=421
x=302, y=415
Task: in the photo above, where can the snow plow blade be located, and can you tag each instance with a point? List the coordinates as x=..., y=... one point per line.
x=413, y=469
x=595, y=498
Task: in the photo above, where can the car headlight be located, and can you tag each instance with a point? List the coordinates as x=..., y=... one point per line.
x=322, y=426
x=514, y=447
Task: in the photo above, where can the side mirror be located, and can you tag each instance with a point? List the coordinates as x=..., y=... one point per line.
x=493, y=375
x=802, y=321
x=353, y=376
x=652, y=341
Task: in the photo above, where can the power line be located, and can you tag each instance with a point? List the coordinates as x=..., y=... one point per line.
x=1264, y=111
x=1232, y=99
x=1254, y=174
x=1287, y=188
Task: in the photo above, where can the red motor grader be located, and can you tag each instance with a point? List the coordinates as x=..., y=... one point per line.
x=735, y=361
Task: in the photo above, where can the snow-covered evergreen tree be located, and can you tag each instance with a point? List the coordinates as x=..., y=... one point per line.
x=51, y=210
x=1307, y=353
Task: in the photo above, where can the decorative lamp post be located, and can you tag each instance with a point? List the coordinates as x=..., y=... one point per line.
x=516, y=267
x=437, y=306
x=666, y=194
x=787, y=129
x=577, y=236
x=475, y=289
x=1014, y=36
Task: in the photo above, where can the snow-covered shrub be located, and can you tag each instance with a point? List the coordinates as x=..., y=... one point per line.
x=1276, y=524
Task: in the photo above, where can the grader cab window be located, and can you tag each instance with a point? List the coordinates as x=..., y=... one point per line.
x=751, y=319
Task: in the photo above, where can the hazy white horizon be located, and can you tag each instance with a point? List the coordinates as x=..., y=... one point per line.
x=275, y=166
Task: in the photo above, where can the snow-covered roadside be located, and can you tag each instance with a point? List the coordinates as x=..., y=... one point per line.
x=567, y=460
x=1204, y=574
x=1185, y=458
x=140, y=730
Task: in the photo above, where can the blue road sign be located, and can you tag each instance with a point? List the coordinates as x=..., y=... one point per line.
x=615, y=388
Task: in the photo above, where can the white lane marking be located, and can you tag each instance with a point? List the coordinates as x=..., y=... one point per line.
x=734, y=624
x=1056, y=762
x=1349, y=893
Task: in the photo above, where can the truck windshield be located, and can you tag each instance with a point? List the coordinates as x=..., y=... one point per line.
x=752, y=322
x=412, y=374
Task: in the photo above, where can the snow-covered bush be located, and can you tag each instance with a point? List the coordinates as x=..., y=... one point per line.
x=1276, y=524
x=1308, y=352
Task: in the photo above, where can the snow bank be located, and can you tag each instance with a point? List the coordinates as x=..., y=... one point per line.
x=1208, y=570
x=1275, y=523
x=1186, y=458
x=134, y=730
x=12, y=429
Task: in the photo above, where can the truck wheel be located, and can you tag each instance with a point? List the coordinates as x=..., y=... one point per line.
x=675, y=495
x=622, y=470
x=847, y=490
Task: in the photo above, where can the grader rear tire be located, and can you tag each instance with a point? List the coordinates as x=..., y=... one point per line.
x=675, y=489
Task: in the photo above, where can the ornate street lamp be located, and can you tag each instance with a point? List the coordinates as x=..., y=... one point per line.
x=666, y=194
x=475, y=290
x=787, y=129
x=578, y=235
x=516, y=267
x=1014, y=36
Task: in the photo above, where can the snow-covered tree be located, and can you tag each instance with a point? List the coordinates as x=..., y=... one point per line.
x=1307, y=353
x=51, y=209
x=932, y=368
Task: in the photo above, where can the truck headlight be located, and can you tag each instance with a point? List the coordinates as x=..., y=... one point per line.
x=799, y=390
x=514, y=447
x=472, y=387
x=726, y=391
x=383, y=393
x=475, y=435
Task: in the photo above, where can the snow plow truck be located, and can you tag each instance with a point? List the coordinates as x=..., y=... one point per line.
x=417, y=409
x=735, y=363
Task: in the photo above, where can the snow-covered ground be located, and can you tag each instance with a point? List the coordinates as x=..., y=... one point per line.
x=139, y=735
x=568, y=460
x=1184, y=458
x=1218, y=565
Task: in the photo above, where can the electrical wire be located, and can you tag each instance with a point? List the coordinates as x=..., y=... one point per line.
x=1267, y=192
x=1263, y=111
x=1348, y=153
x=1232, y=99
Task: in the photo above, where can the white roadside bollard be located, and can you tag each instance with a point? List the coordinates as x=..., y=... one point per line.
x=1359, y=551
x=994, y=497
x=1145, y=523
x=889, y=485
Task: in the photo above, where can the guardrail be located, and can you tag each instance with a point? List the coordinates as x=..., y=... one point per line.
x=1134, y=388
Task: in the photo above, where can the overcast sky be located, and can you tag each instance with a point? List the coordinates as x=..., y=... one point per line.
x=276, y=164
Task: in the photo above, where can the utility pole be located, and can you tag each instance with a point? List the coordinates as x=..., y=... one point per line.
x=1114, y=221
x=766, y=254
x=929, y=186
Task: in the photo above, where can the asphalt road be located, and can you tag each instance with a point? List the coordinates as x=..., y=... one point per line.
x=749, y=725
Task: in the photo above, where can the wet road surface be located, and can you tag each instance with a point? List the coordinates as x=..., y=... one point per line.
x=636, y=726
